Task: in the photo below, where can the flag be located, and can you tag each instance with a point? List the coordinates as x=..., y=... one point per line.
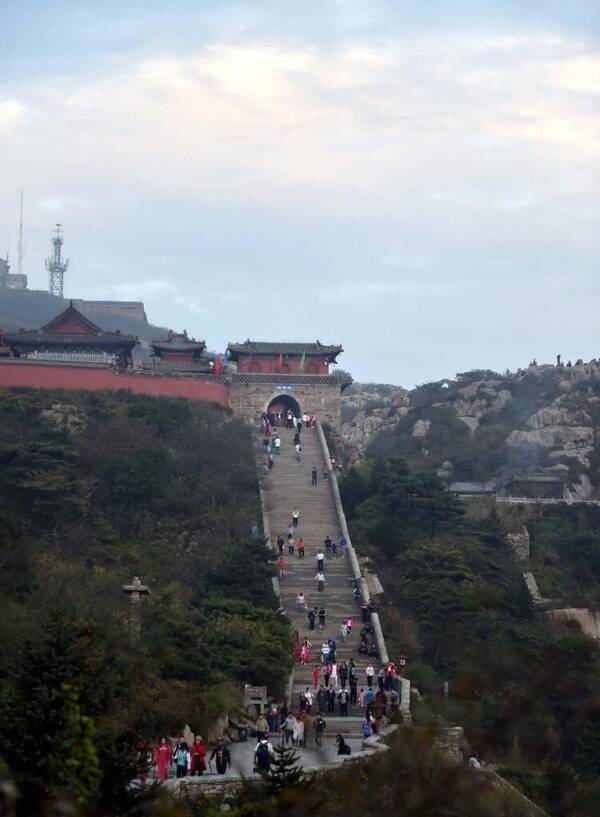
x=246, y=363
x=301, y=364
x=280, y=360
x=218, y=370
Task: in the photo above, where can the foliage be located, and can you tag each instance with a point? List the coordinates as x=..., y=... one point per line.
x=565, y=553
x=284, y=771
x=391, y=505
x=458, y=607
x=158, y=488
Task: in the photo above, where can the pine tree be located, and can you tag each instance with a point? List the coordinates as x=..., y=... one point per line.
x=285, y=771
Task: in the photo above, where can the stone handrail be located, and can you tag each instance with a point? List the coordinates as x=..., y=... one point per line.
x=356, y=571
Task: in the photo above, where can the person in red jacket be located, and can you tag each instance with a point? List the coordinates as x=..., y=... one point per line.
x=198, y=753
x=281, y=567
x=163, y=759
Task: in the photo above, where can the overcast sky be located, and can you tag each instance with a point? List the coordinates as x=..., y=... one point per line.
x=415, y=180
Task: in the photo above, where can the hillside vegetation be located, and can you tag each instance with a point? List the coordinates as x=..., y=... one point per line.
x=94, y=489
x=526, y=690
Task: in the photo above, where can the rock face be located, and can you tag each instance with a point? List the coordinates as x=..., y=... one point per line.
x=367, y=410
x=542, y=417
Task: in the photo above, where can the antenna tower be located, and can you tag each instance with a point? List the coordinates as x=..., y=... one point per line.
x=20, y=247
x=56, y=266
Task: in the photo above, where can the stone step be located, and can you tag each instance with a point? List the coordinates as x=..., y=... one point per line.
x=286, y=487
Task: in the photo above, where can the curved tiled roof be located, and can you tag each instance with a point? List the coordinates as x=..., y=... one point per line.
x=260, y=347
x=179, y=342
x=46, y=340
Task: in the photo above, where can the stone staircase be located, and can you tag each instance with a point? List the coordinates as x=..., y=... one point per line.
x=286, y=487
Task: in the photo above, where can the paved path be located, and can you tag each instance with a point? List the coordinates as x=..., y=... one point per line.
x=288, y=486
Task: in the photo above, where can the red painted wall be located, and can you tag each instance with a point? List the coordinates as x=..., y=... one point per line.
x=177, y=357
x=59, y=377
x=289, y=366
x=71, y=328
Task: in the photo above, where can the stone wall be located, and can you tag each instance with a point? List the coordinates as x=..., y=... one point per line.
x=249, y=395
x=519, y=542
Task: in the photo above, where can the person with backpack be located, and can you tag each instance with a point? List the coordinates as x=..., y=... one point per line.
x=367, y=729
x=181, y=757
x=263, y=755
x=320, y=580
x=312, y=617
x=222, y=755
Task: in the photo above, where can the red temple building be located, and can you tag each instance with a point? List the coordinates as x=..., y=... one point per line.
x=259, y=357
x=178, y=352
x=71, y=352
x=72, y=338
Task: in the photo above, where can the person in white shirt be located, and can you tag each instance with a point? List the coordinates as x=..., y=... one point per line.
x=320, y=580
x=300, y=602
x=370, y=672
x=277, y=445
x=289, y=725
x=320, y=557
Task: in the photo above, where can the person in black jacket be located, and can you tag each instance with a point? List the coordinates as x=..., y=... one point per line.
x=222, y=755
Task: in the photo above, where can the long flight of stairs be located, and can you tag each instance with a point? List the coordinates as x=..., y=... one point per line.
x=286, y=487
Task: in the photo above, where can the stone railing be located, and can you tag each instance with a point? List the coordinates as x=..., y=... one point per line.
x=356, y=571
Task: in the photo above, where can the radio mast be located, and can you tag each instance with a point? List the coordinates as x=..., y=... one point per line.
x=20, y=247
x=56, y=266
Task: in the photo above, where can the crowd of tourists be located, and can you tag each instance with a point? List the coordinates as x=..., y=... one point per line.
x=180, y=759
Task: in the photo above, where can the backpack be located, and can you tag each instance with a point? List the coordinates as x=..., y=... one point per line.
x=263, y=758
x=366, y=730
x=346, y=750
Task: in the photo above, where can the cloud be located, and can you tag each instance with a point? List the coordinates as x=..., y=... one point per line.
x=389, y=185
x=12, y=115
x=351, y=125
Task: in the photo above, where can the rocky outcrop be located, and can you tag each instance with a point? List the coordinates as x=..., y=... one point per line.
x=543, y=416
x=367, y=410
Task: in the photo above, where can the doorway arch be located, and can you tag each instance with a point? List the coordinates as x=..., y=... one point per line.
x=284, y=402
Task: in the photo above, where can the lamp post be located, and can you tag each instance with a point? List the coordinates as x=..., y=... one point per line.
x=136, y=590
